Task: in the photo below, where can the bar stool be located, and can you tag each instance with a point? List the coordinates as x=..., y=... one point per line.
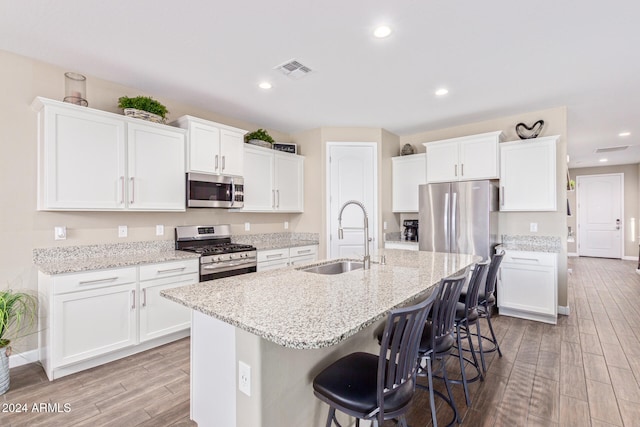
x=437, y=341
x=378, y=387
x=467, y=315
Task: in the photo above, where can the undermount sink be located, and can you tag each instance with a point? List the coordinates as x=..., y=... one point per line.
x=337, y=267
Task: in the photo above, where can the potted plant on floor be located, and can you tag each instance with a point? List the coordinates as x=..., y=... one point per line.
x=259, y=137
x=143, y=107
x=18, y=317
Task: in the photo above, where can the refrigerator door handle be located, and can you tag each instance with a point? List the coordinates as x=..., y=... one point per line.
x=447, y=218
x=454, y=210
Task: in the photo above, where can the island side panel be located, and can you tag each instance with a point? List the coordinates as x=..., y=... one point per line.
x=213, y=371
x=249, y=408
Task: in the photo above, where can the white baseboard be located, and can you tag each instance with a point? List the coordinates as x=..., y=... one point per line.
x=572, y=254
x=629, y=258
x=564, y=310
x=24, y=358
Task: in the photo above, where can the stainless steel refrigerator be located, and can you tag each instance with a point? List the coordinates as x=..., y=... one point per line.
x=459, y=217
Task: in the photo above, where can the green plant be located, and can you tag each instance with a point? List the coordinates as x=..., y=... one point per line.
x=145, y=103
x=260, y=134
x=18, y=314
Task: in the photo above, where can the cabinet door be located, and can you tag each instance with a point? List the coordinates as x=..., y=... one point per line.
x=231, y=152
x=302, y=260
x=442, y=162
x=527, y=288
x=156, y=168
x=81, y=160
x=272, y=265
x=478, y=159
x=528, y=175
x=204, y=148
x=160, y=316
x=289, y=182
x=95, y=322
x=408, y=172
x=259, y=192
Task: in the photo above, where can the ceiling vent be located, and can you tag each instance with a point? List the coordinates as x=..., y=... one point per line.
x=611, y=149
x=293, y=69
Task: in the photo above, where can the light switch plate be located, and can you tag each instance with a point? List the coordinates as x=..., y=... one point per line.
x=122, y=231
x=286, y=225
x=533, y=227
x=247, y=226
x=60, y=233
x=244, y=378
x=159, y=230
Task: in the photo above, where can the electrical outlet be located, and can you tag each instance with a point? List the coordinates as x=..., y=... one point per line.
x=60, y=233
x=286, y=225
x=159, y=230
x=244, y=378
x=533, y=227
x=247, y=226
x=384, y=225
x=122, y=231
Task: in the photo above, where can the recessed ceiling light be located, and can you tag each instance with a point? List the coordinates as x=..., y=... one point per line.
x=442, y=91
x=265, y=85
x=624, y=134
x=603, y=160
x=382, y=32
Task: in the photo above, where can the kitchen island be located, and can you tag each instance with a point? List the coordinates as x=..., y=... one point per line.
x=286, y=326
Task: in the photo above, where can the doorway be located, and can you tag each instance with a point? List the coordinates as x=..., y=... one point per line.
x=600, y=215
x=351, y=175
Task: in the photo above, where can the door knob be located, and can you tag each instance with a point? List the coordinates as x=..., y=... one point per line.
x=617, y=224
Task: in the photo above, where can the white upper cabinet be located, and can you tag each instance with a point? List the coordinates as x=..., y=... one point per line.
x=466, y=158
x=213, y=147
x=96, y=161
x=528, y=175
x=273, y=181
x=408, y=172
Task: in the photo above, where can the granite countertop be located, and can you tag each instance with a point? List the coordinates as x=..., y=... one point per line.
x=303, y=310
x=551, y=244
x=73, y=259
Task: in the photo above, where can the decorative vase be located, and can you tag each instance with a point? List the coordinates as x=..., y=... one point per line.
x=4, y=369
x=75, y=89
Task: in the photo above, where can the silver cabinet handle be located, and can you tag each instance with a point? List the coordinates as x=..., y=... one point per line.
x=462, y=169
x=133, y=189
x=216, y=165
x=122, y=188
x=455, y=170
x=502, y=196
x=274, y=256
x=223, y=162
x=278, y=194
x=273, y=198
x=171, y=270
x=96, y=281
x=133, y=300
x=144, y=297
x=525, y=259
x=306, y=251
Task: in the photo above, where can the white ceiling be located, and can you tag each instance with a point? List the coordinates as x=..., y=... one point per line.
x=496, y=57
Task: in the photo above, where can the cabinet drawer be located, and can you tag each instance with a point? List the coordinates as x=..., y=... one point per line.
x=168, y=269
x=273, y=254
x=310, y=250
x=93, y=280
x=529, y=258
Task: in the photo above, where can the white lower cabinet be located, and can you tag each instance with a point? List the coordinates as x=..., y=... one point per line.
x=272, y=259
x=94, y=317
x=528, y=286
x=402, y=244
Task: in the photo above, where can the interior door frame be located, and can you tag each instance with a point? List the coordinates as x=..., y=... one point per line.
x=373, y=216
x=622, y=221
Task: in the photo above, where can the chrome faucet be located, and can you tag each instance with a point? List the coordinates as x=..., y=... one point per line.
x=367, y=258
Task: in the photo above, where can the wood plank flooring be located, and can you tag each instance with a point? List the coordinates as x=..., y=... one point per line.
x=585, y=371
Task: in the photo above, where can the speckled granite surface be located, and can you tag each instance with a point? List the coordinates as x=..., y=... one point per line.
x=277, y=240
x=303, y=310
x=531, y=243
x=71, y=259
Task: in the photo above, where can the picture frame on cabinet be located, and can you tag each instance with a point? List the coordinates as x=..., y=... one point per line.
x=286, y=147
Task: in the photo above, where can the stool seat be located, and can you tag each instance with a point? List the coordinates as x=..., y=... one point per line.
x=471, y=316
x=442, y=344
x=351, y=383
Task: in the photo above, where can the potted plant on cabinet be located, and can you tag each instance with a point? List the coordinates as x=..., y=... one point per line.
x=259, y=137
x=18, y=316
x=143, y=107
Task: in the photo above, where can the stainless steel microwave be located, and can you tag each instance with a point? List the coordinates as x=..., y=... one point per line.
x=214, y=191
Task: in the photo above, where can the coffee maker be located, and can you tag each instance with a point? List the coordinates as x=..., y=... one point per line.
x=410, y=229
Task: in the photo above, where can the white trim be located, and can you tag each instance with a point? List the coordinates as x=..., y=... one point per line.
x=24, y=358
x=629, y=258
x=572, y=254
x=564, y=310
x=373, y=227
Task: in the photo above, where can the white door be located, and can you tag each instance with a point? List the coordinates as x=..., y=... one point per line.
x=600, y=215
x=352, y=175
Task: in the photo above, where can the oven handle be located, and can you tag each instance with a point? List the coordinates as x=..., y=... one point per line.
x=230, y=264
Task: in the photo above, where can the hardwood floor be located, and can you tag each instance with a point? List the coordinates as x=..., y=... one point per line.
x=584, y=371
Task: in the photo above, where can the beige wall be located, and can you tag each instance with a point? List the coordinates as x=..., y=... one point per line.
x=23, y=228
x=549, y=223
x=631, y=208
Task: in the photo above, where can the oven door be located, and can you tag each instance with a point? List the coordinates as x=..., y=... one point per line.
x=214, y=191
x=210, y=272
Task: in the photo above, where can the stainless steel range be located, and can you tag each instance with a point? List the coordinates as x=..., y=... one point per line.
x=218, y=256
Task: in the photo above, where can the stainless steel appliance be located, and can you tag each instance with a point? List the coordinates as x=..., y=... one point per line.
x=214, y=191
x=218, y=256
x=410, y=229
x=459, y=217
